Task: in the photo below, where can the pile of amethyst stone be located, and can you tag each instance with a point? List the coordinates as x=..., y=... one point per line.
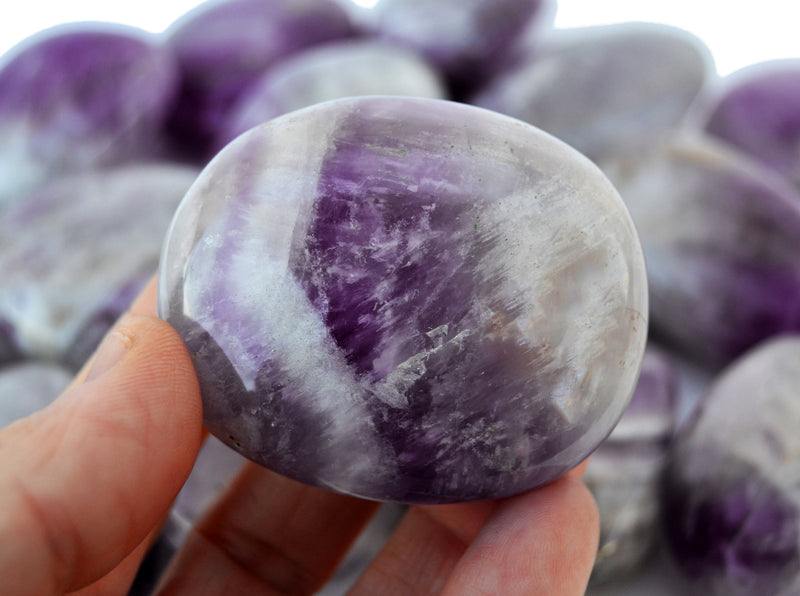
x=451, y=298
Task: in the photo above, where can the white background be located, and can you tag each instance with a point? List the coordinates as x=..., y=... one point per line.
x=738, y=33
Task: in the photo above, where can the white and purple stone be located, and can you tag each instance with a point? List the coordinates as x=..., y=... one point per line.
x=224, y=46
x=467, y=40
x=407, y=299
x=29, y=386
x=757, y=110
x=78, y=97
x=625, y=472
x=732, y=490
x=331, y=71
x=721, y=234
x=77, y=251
x=609, y=91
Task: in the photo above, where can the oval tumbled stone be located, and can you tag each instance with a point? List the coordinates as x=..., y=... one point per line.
x=407, y=299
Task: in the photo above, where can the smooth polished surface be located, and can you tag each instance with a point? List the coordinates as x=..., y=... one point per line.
x=721, y=234
x=732, y=499
x=757, y=111
x=609, y=91
x=223, y=47
x=331, y=71
x=624, y=473
x=407, y=299
x=78, y=97
x=77, y=251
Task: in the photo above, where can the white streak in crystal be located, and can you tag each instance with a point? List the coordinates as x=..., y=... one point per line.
x=567, y=277
x=393, y=389
x=272, y=320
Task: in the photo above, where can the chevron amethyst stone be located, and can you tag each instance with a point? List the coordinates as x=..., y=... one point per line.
x=223, y=47
x=78, y=97
x=77, y=251
x=407, y=299
x=732, y=489
x=756, y=111
x=722, y=237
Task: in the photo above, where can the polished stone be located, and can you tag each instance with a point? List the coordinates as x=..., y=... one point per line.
x=407, y=299
x=331, y=71
x=757, y=110
x=732, y=499
x=223, y=47
x=624, y=473
x=467, y=40
x=609, y=91
x=76, y=253
x=81, y=96
x=721, y=234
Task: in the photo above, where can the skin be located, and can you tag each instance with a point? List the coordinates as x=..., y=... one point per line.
x=86, y=483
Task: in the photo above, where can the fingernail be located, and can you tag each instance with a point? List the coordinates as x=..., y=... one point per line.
x=111, y=350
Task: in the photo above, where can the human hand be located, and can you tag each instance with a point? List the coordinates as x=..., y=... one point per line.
x=86, y=483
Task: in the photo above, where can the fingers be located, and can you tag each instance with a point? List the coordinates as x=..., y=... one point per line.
x=84, y=481
x=417, y=559
x=120, y=579
x=267, y=535
x=541, y=542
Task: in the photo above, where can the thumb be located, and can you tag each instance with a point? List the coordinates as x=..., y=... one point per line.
x=83, y=481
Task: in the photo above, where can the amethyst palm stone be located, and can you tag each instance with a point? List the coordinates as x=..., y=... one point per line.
x=757, y=111
x=77, y=251
x=78, y=97
x=721, y=234
x=732, y=490
x=598, y=90
x=331, y=71
x=624, y=474
x=222, y=47
x=467, y=40
x=407, y=299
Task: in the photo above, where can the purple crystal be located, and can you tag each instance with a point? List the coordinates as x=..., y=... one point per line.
x=29, y=386
x=222, y=47
x=332, y=71
x=407, y=299
x=624, y=473
x=758, y=111
x=79, y=251
x=465, y=39
x=599, y=90
x=732, y=509
x=722, y=239
x=80, y=96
